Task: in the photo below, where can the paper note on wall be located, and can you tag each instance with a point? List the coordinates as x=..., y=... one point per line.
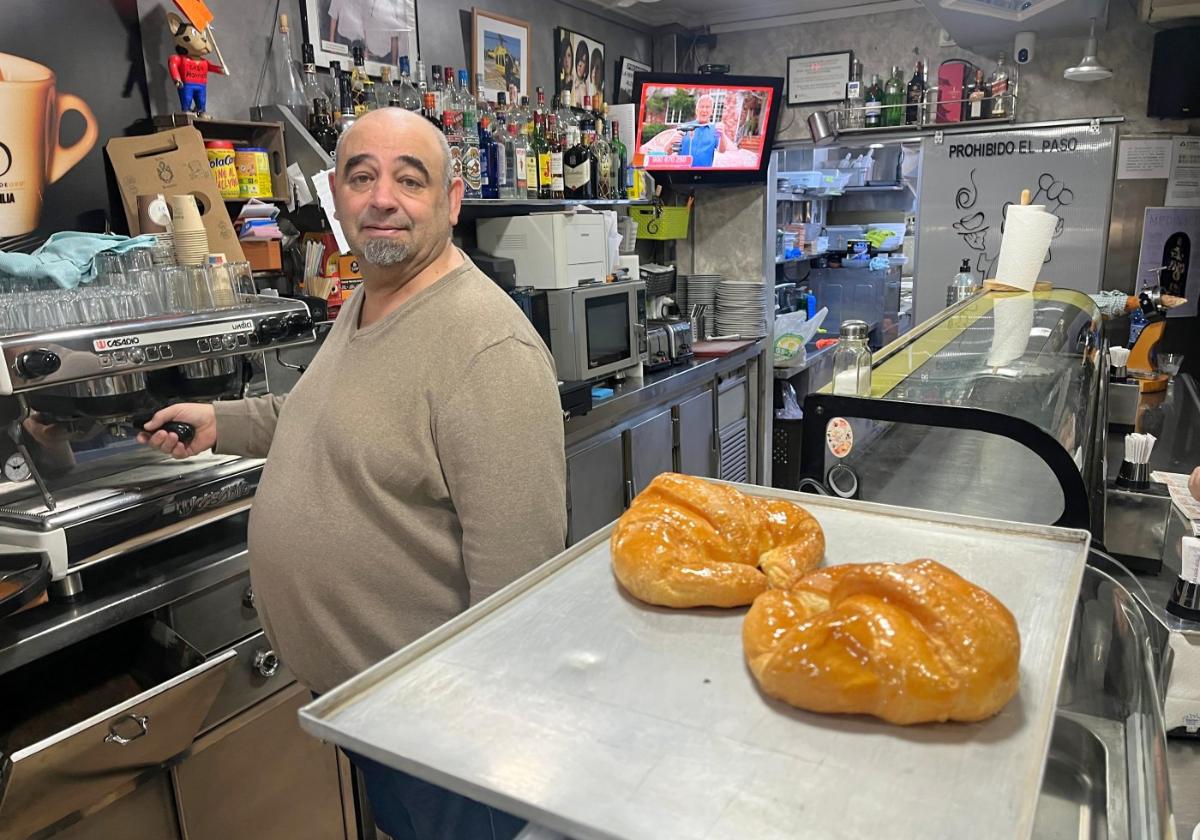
x=1144, y=159
x=1183, y=186
x=325, y=197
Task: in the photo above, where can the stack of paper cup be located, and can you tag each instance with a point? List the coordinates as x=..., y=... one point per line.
x=1028, y=230
x=191, y=238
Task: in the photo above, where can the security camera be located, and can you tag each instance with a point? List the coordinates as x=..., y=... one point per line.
x=1023, y=48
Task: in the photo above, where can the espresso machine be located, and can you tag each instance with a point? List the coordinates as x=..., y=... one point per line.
x=77, y=489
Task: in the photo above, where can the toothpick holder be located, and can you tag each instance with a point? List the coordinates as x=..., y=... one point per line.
x=1133, y=476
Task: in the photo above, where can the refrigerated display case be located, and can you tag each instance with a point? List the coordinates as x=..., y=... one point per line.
x=995, y=407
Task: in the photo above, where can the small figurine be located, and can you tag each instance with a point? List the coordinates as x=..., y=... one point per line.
x=188, y=67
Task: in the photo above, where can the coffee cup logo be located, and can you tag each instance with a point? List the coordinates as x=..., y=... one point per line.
x=31, y=157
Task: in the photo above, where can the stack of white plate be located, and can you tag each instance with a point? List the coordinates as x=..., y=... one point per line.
x=740, y=309
x=702, y=289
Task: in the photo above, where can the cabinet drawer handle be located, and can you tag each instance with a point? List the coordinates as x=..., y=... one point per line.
x=115, y=737
x=248, y=598
x=266, y=663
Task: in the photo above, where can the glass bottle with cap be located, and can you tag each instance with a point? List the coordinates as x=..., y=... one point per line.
x=852, y=361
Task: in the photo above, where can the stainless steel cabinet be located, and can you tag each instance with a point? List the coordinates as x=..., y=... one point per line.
x=694, y=435
x=595, y=487
x=649, y=450
x=147, y=811
x=295, y=792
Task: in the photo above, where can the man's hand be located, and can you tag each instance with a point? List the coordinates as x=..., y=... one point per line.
x=1194, y=484
x=178, y=84
x=202, y=417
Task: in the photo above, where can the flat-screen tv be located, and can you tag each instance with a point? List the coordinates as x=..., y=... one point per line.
x=705, y=128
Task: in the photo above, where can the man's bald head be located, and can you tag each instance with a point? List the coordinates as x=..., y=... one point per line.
x=393, y=119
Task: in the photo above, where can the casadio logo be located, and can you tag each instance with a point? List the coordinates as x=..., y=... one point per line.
x=113, y=343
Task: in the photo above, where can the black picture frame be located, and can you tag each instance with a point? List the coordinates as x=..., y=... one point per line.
x=620, y=92
x=826, y=83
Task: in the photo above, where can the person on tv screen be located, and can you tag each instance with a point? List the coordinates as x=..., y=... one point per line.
x=701, y=138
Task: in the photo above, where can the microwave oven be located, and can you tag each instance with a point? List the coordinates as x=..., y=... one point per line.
x=550, y=250
x=596, y=330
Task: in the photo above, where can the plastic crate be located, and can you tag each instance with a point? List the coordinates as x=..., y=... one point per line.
x=661, y=222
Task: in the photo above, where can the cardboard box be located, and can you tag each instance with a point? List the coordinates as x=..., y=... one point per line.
x=265, y=135
x=263, y=254
x=952, y=80
x=173, y=163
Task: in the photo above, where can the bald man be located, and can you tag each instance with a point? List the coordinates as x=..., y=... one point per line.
x=428, y=427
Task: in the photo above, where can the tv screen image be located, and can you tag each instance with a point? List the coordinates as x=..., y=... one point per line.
x=715, y=125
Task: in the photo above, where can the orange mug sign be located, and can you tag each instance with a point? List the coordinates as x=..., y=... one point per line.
x=31, y=157
x=839, y=436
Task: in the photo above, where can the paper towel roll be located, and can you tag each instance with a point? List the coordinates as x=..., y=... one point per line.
x=1012, y=319
x=1028, y=230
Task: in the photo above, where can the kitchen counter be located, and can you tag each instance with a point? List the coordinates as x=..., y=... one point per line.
x=128, y=588
x=812, y=358
x=632, y=394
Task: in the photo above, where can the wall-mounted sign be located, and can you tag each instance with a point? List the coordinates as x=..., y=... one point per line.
x=818, y=78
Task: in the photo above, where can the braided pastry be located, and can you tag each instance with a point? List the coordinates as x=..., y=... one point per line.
x=908, y=643
x=687, y=542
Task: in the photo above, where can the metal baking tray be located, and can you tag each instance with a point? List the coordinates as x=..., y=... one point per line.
x=566, y=702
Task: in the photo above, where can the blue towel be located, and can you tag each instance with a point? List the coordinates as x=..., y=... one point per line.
x=67, y=257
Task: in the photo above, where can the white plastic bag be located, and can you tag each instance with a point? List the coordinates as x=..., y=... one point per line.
x=792, y=332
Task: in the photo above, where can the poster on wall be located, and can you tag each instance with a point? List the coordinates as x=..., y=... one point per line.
x=1171, y=252
x=580, y=66
x=500, y=51
x=628, y=67
x=387, y=29
x=57, y=111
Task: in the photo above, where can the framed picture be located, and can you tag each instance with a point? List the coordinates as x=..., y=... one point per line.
x=500, y=51
x=625, y=73
x=812, y=79
x=387, y=29
x=579, y=66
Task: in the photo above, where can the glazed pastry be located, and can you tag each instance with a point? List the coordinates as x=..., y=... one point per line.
x=909, y=643
x=687, y=542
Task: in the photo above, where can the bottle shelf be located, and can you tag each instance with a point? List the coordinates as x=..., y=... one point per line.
x=552, y=202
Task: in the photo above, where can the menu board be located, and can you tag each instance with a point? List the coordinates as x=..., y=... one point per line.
x=818, y=78
x=968, y=182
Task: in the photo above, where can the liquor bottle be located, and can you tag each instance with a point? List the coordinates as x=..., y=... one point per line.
x=577, y=167
x=555, y=139
x=620, y=159
x=567, y=117
x=501, y=114
x=539, y=148
x=358, y=83
x=385, y=92
x=482, y=104
x=873, y=107
x=322, y=128
x=346, y=110
x=975, y=94
x=287, y=88
x=601, y=163
x=893, y=99
x=541, y=105
x=915, y=95
x=333, y=89
x=999, y=87
x=472, y=163
x=314, y=91
x=452, y=127
x=406, y=93
x=491, y=161
x=452, y=102
x=512, y=175
x=429, y=110
x=436, y=85
x=854, y=97
x=523, y=117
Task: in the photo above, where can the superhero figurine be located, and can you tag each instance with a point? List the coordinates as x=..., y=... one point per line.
x=188, y=67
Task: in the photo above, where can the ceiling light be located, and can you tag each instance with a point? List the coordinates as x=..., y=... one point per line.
x=1089, y=69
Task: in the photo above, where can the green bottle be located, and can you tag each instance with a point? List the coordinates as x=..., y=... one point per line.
x=893, y=99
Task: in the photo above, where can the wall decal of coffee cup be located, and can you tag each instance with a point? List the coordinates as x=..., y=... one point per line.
x=31, y=157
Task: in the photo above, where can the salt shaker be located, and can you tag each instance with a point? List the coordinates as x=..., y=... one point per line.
x=852, y=361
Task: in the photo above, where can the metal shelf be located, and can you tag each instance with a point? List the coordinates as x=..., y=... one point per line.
x=804, y=258
x=877, y=188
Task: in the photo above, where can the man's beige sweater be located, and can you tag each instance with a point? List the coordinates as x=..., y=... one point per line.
x=416, y=468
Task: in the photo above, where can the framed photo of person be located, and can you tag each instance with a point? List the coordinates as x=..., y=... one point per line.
x=578, y=66
x=625, y=72
x=500, y=51
x=822, y=77
x=387, y=29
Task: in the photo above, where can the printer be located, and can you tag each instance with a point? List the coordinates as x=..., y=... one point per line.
x=550, y=250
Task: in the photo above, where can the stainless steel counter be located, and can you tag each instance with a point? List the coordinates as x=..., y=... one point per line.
x=144, y=582
x=633, y=394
